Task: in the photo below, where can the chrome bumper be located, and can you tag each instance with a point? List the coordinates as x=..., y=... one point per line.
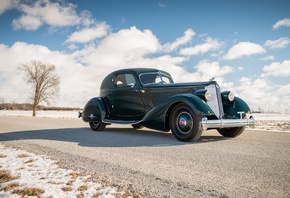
x=226, y=123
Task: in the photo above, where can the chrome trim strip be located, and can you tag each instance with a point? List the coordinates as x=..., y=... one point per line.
x=226, y=123
x=108, y=121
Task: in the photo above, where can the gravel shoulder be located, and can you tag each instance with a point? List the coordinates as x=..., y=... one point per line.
x=154, y=164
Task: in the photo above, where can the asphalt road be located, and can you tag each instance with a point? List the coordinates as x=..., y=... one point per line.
x=256, y=164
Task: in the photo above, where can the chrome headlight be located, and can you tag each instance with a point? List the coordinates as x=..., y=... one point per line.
x=203, y=94
x=228, y=96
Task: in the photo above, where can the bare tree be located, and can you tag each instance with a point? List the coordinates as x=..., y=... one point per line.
x=43, y=79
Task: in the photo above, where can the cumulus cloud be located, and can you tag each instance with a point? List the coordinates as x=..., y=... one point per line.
x=267, y=58
x=209, y=45
x=277, y=69
x=279, y=43
x=255, y=92
x=284, y=90
x=88, y=34
x=205, y=70
x=244, y=49
x=45, y=12
x=120, y=48
x=7, y=5
x=187, y=37
x=283, y=22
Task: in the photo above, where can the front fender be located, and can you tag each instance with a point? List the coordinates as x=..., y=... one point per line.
x=238, y=105
x=158, y=117
x=94, y=110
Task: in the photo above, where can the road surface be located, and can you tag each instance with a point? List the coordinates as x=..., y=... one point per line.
x=255, y=164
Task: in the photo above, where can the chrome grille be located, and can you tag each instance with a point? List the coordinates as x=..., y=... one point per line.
x=215, y=102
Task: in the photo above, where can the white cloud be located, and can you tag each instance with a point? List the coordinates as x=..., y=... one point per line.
x=284, y=90
x=210, y=44
x=240, y=68
x=117, y=49
x=277, y=69
x=72, y=75
x=270, y=57
x=279, y=43
x=88, y=34
x=162, y=5
x=244, y=49
x=46, y=12
x=187, y=37
x=260, y=93
x=27, y=22
x=7, y=5
x=206, y=70
x=284, y=22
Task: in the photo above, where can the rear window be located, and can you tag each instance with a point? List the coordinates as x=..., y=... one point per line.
x=123, y=80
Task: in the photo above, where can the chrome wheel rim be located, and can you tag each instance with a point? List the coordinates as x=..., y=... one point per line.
x=184, y=122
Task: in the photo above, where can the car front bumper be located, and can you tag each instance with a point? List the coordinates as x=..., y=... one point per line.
x=226, y=123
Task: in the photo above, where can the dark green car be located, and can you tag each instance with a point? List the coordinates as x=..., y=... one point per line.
x=150, y=98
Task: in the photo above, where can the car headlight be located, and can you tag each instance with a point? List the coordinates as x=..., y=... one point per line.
x=228, y=96
x=203, y=94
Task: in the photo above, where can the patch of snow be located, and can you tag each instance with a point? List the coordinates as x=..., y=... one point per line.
x=53, y=114
x=40, y=172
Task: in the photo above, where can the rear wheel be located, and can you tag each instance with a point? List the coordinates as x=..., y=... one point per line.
x=231, y=132
x=184, y=123
x=97, y=126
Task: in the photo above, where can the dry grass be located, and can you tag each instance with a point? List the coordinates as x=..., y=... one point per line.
x=29, y=161
x=83, y=188
x=10, y=187
x=3, y=156
x=67, y=188
x=69, y=183
x=5, y=176
x=74, y=175
x=28, y=192
x=22, y=155
x=79, y=196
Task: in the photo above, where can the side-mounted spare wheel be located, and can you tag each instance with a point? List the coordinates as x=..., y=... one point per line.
x=185, y=123
x=97, y=126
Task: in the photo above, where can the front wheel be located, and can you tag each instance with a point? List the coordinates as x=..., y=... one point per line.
x=184, y=123
x=231, y=132
x=97, y=126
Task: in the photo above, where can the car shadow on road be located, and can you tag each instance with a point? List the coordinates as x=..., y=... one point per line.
x=110, y=137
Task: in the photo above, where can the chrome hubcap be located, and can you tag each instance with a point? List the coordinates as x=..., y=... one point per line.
x=184, y=122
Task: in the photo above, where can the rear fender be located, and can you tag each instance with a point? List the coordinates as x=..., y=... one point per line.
x=158, y=117
x=94, y=110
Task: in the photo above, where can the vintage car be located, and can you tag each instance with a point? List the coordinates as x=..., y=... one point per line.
x=150, y=98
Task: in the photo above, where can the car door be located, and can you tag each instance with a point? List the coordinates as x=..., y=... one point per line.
x=127, y=101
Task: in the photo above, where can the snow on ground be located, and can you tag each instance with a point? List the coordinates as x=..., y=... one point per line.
x=53, y=114
x=44, y=178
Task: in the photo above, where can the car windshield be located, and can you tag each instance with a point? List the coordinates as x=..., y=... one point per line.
x=155, y=78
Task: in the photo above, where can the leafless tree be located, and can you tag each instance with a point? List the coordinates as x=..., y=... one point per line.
x=43, y=79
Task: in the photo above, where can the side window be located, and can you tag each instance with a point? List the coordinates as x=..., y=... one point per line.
x=125, y=80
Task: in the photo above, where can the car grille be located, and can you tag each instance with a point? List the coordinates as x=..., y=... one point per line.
x=215, y=102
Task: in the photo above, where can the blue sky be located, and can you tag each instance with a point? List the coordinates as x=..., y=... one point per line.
x=245, y=45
